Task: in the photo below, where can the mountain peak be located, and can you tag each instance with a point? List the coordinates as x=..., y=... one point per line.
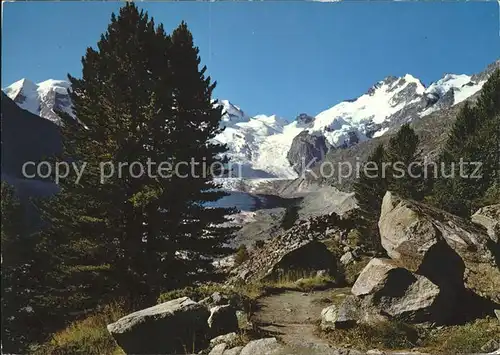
x=42, y=99
x=23, y=86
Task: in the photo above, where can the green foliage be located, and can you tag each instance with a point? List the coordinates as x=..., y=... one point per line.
x=242, y=255
x=22, y=270
x=475, y=137
x=290, y=217
x=355, y=238
x=402, y=153
x=369, y=191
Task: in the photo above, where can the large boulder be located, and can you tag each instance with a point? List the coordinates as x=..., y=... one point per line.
x=397, y=293
x=453, y=253
x=167, y=328
x=489, y=218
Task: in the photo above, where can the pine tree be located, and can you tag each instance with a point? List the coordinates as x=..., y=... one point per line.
x=402, y=153
x=203, y=233
x=141, y=101
x=475, y=137
x=112, y=237
x=369, y=191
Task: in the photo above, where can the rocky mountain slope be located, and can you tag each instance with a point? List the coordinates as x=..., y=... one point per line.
x=269, y=146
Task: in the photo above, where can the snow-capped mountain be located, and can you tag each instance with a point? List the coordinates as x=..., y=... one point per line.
x=42, y=99
x=267, y=146
x=262, y=144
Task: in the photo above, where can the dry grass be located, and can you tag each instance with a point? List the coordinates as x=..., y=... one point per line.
x=301, y=281
x=457, y=339
x=385, y=335
x=464, y=339
x=86, y=337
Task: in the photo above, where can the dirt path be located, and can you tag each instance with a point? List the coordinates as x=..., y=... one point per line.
x=292, y=316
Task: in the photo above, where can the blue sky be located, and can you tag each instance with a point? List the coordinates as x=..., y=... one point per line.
x=272, y=57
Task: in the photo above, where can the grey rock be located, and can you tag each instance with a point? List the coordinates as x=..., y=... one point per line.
x=497, y=313
x=304, y=119
x=451, y=252
x=347, y=258
x=234, y=351
x=265, y=346
x=218, y=349
x=489, y=218
x=328, y=317
x=222, y=320
x=349, y=313
x=372, y=277
x=168, y=327
x=399, y=294
x=306, y=148
x=375, y=352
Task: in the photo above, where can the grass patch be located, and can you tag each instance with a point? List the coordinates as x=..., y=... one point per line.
x=457, y=339
x=300, y=281
x=384, y=335
x=88, y=336
x=464, y=339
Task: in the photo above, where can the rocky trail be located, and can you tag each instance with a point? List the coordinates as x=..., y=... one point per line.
x=292, y=317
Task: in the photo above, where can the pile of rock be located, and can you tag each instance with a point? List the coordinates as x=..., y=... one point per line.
x=298, y=249
x=441, y=268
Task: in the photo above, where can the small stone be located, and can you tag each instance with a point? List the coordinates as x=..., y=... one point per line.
x=328, y=317
x=497, y=313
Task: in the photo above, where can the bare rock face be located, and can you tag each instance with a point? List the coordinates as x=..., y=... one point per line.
x=453, y=253
x=306, y=148
x=489, y=218
x=162, y=329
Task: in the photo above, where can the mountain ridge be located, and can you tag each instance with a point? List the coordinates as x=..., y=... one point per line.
x=259, y=145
